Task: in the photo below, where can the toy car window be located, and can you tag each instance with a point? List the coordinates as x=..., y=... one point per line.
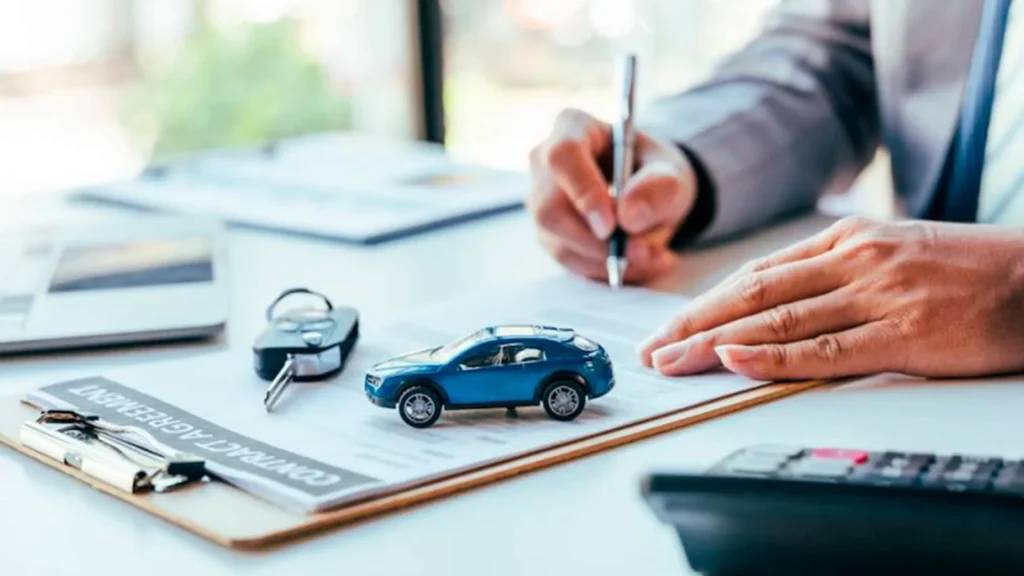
x=488, y=357
x=523, y=354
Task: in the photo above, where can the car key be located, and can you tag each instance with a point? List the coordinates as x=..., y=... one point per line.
x=303, y=344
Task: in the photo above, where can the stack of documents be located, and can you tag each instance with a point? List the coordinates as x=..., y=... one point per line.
x=326, y=445
x=338, y=186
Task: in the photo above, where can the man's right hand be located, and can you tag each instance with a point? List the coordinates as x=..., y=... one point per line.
x=575, y=214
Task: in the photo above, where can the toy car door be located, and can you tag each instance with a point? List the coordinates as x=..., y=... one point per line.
x=530, y=361
x=481, y=377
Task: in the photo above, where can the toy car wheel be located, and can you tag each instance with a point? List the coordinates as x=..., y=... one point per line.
x=564, y=399
x=419, y=406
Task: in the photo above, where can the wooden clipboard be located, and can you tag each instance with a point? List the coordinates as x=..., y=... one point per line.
x=235, y=519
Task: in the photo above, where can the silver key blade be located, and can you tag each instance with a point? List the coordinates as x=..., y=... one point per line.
x=281, y=381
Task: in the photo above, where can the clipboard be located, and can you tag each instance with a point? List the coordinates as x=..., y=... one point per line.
x=235, y=519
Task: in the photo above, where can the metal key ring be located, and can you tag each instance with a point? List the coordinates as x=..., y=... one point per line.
x=290, y=292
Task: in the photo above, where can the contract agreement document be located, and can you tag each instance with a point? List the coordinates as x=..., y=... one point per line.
x=327, y=445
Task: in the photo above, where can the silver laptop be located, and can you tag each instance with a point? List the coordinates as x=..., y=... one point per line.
x=121, y=281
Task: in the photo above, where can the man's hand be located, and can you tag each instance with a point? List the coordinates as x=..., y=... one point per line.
x=862, y=297
x=575, y=214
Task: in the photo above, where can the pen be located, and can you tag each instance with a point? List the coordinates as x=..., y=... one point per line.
x=623, y=140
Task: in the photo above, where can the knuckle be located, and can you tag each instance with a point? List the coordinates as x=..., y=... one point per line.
x=753, y=290
x=546, y=215
x=854, y=224
x=706, y=340
x=777, y=356
x=783, y=321
x=918, y=230
x=918, y=235
x=560, y=252
x=561, y=153
x=873, y=249
x=590, y=198
x=654, y=182
x=829, y=348
x=755, y=266
x=683, y=327
x=904, y=324
x=897, y=280
x=571, y=117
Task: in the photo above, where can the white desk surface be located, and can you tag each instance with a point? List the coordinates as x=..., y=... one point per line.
x=584, y=517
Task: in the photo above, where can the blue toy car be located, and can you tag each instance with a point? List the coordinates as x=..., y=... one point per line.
x=497, y=367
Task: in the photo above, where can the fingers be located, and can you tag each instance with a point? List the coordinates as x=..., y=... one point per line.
x=749, y=295
x=570, y=241
x=658, y=195
x=866, y=349
x=824, y=314
x=584, y=265
x=557, y=218
x=645, y=261
x=814, y=246
x=567, y=161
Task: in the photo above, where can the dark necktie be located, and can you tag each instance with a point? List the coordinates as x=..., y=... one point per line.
x=968, y=149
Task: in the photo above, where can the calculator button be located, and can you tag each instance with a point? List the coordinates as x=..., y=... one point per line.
x=907, y=460
x=1012, y=468
x=889, y=476
x=780, y=450
x=822, y=468
x=1011, y=471
x=1010, y=486
x=892, y=469
x=855, y=456
x=959, y=473
x=755, y=465
x=1010, y=479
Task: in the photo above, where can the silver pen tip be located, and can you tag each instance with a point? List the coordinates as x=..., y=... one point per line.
x=616, y=270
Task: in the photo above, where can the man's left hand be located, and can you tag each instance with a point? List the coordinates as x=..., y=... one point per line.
x=862, y=297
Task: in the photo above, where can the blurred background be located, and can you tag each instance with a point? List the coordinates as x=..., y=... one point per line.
x=93, y=90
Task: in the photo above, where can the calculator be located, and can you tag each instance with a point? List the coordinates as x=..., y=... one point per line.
x=779, y=509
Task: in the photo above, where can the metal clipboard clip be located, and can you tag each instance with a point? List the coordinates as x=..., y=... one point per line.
x=125, y=457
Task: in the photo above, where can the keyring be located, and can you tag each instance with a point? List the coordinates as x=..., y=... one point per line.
x=293, y=291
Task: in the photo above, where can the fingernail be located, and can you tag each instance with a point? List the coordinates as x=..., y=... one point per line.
x=669, y=355
x=599, y=224
x=735, y=353
x=638, y=252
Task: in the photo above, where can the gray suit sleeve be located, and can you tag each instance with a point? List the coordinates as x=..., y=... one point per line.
x=787, y=118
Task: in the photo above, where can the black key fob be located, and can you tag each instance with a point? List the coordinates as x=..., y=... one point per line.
x=313, y=341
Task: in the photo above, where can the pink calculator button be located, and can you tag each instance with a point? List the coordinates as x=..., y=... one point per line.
x=857, y=456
